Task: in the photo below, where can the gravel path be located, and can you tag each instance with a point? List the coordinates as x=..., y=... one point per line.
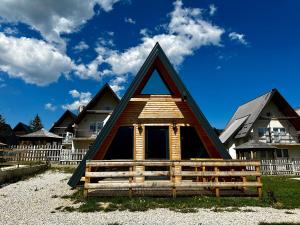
x=32, y=201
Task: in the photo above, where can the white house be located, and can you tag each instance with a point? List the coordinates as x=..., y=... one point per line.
x=91, y=119
x=266, y=127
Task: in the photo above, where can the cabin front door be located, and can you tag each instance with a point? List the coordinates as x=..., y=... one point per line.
x=157, y=142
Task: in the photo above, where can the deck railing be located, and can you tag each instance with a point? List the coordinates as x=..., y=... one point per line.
x=171, y=176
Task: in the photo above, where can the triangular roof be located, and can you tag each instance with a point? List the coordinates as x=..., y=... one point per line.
x=42, y=133
x=61, y=119
x=136, y=86
x=249, y=112
x=22, y=126
x=93, y=102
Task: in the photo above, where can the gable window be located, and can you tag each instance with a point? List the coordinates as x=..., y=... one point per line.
x=263, y=131
x=279, y=131
x=155, y=85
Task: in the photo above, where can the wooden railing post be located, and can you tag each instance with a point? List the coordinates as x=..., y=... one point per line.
x=130, y=181
x=244, y=181
x=258, y=180
x=86, y=181
x=173, y=179
x=217, y=189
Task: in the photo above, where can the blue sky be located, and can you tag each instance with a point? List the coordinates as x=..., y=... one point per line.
x=57, y=54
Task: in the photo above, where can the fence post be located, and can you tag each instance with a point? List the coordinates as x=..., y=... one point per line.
x=293, y=167
x=172, y=173
x=258, y=179
x=130, y=181
x=86, y=181
x=217, y=189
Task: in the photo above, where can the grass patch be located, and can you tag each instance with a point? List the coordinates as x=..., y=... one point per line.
x=63, y=168
x=278, y=192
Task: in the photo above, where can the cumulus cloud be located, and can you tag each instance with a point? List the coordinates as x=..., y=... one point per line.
x=81, y=99
x=49, y=106
x=129, y=20
x=186, y=32
x=34, y=61
x=238, y=37
x=10, y=30
x=81, y=46
x=52, y=18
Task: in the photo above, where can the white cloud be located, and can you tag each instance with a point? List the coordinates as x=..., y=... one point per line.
x=117, y=84
x=74, y=93
x=49, y=106
x=81, y=46
x=212, y=9
x=34, y=61
x=107, y=5
x=81, y=99
x=10, y=30
x=52, y=18
x=238, y=37
x=186, y=32
x=129, y=20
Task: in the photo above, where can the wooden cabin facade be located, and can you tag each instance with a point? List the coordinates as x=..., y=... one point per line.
x=157, y=119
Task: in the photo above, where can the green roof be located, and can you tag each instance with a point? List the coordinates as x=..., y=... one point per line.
x=156, y=52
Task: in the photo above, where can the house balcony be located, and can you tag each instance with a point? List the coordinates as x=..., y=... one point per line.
x=86, y=134
x=279, y=138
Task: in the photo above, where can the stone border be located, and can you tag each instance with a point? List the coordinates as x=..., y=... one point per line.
x=15, y=174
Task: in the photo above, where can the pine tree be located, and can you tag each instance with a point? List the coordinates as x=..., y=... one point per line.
x=2, y=120
x=36, y=123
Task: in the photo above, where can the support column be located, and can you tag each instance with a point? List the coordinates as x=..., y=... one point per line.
x=139, y=148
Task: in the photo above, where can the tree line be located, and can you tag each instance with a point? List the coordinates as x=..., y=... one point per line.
x=35, y=124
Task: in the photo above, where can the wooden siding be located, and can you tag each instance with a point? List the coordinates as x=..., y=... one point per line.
x=158, y=111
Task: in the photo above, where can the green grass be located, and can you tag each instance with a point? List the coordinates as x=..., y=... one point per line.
x=278, y=192
x=63, y=168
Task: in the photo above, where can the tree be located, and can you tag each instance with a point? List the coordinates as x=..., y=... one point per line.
x=2, y=120
x=36, y=123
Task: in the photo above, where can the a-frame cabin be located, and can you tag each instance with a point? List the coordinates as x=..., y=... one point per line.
x=157, y=118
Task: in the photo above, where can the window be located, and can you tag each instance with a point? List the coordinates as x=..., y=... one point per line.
x=279, y=130
x=96, y=127
x=155, y=85
x=278, y=153
x=282, y=153
x=262, y=131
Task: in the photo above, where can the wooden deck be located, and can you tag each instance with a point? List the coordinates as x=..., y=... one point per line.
x=172, y=177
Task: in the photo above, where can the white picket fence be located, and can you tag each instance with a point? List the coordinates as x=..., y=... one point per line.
x=280, y=167
x=45, y=153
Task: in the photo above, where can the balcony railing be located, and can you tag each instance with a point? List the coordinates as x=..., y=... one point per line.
x=280, y=138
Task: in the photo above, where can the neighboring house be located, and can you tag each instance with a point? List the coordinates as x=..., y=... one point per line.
x=7, y=136
x=90, y=121
x=297, y=110
x=60, y=127
x=157, y=119
x=21, y=129
x=40, y=137
x=264, y=128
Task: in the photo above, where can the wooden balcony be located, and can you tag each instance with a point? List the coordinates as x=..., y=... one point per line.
x=169, y=177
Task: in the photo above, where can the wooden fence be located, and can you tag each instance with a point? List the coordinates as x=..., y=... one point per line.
x=41, y=153
x=280, y=167
x=170, y=176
